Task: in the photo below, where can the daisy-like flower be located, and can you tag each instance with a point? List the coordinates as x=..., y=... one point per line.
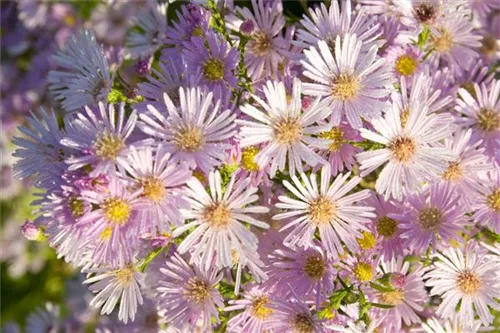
x=353, y=82
x=434, y=325
x=40, y=152
x=412, y=152
x=113, y=285
x=407, y=294
x=481, y=112
x=293, y=316
x=100, y=140
x=327, y=209
x=417, y=13
x=308, y=271
x=266, y=47
x=192, y=21
x=216, y=63
x=452, y=40
x=433, y=217
x=326, y=24
x=194, y=133
x=160, y=183
x=217, y=219
x=188, y=295
x=44, y=319
x=256, y=311
x=84, y=77
x=487, y=208
x=151, y=36
x=284, y=131
x=404, y=60
x=469, y=161
x=465, y=276
x=113, y=225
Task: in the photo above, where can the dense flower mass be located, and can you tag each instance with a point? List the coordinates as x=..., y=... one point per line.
x=266, y=166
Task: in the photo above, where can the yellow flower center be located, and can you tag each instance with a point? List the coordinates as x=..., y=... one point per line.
x=152, y=189
x=386, y=226
x=488, y=120
x=363, y=271
x=76, y=207
x=287, y=131
x=69, y=20
x=322, y=210
x=213, y=69
x=443, y=43
x=260, y=44
x=217, y=215
x=345, y=87
x=315, y=267
x=116, y=210
x=468, y=282
x=368, y=241
x=430, y=218
x=493, y=200
x=406, y=65
x=108, y=145
x=189, y=139
x=402, y=149
x=337, y=136
x=197, y=290
x=259, y=308
x=454, y=172
x=394, y=297
x=248, y=159
x=124, y=276
x=197, y=32
x=302, y=323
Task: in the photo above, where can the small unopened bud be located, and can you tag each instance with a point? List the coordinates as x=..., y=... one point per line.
x=398, y=280
x=32, y=232
x=143, y=66
x=306, y=102
x=247, y=27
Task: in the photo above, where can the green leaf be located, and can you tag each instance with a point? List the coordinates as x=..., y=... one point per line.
x=384, y=289
x=382, y=306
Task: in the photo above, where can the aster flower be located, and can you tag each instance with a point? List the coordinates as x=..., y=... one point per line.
x=100, y=140
x=487, y=208
x=44, y=319
x=293, y=316
x=481, y=112
x=359, y=269
x=83, y=78
x=284, y=130
x=417, y=13
x=327, y=209
x=434, y=325
x=188, y=294
x=192, y=20
x=353, y=82
x=214, y=58
x=306, y=271
x=151, y=36
x=326, y=24
x=160, y=183
x=465, y=276
x=193, y=133
x=412, y=152
x=217, y=218
x=266, y=46
x=256, y=311
x=404, y=60
x=113, y=285
x=407, y=296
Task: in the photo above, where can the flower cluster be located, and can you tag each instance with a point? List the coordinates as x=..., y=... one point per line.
x=241, y=169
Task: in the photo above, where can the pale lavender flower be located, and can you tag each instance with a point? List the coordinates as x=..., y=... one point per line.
x=113, y=285
x=195, y=132
x=218, y=217
x=487, y=208
x=353, y=82
x=417, y=13
x=293, y=316
x=111, y=21
x=412, y=152
x=44, y=319
x=83, y=77
x=434, y=325
x=192, y=20
x=151, y=36
x=188, y=295
x=404, y=60
x=465, y=276
x=327, y=209
x=283, y=129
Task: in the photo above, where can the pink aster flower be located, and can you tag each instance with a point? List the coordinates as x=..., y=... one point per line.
x=327, y=209
x=187, y=294
x=218, y=219
x=413, y=152
x=353, y=82
x=193, y=133
x=283, y=129
x=465, y=276
x=160, y=182
x=293, y=316
x=487, y=208
x=433, y=217
x=481, y=112
x=404, y=60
